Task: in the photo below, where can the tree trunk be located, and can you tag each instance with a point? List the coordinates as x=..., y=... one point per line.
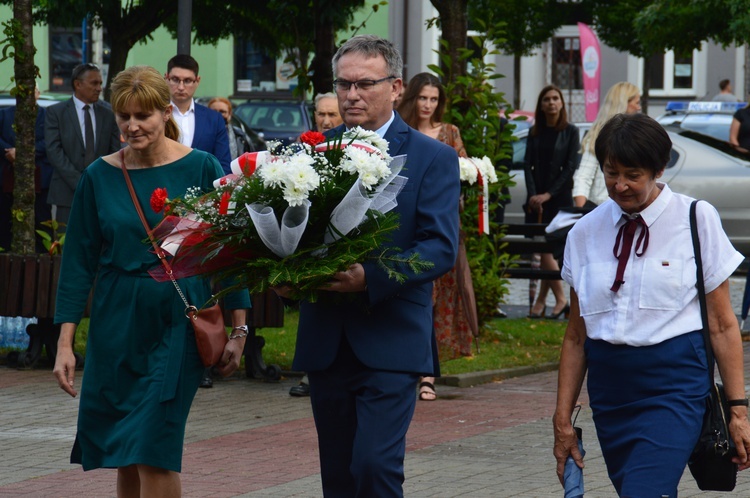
x=118, y=58
x=516, y=81
x=454, y=24
x=320, y=67
x=646, y=83
x=25, y=73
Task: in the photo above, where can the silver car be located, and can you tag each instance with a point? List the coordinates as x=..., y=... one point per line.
x=701, y=167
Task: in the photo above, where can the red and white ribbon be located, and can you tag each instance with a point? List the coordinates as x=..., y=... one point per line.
x=484, y=207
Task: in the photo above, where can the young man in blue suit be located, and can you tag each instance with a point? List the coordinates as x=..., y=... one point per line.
x=365, y=356
x=200, y=127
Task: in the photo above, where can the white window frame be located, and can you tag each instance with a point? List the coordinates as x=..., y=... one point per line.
x=700, y=64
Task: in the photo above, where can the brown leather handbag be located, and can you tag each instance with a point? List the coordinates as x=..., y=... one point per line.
x=208, y=323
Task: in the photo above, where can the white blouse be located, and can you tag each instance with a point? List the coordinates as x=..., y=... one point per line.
x=588, y=180
x=658, y=300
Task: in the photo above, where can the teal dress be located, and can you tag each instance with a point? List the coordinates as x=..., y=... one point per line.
x=142, y=367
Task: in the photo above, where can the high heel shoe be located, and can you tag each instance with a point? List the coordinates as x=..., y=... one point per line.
x=536, y=316
x=565, y=311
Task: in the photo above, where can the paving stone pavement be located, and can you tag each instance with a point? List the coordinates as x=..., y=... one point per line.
x=248, y=438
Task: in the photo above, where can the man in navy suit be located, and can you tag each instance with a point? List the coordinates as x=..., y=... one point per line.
x=200, y=127
x=42, y=173
x=364, y=357
x=65, y=131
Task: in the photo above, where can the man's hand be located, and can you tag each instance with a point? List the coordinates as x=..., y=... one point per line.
x=10, y=155
x=351, y=280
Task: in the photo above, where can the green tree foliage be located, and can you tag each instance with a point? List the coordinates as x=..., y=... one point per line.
x=476, y=108
x=294, y=29
x=19, y=44
x=453, y=22
x=526, y=24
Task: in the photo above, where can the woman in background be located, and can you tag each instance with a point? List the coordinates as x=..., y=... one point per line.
x=588, y=180
x=551, y=158
x=455, y=311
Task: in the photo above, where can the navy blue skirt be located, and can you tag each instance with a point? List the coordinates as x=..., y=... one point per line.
x=648, y=404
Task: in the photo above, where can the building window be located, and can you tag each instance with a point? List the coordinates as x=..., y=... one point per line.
x=67, y=50
x=258, y=72
x=567, y=72
x=672, y=75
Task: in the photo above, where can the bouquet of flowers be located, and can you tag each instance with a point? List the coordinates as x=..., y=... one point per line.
x=293, y=216
x=473, y=170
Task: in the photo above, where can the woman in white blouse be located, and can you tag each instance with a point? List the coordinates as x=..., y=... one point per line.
x=635, y=320
x=588, y=181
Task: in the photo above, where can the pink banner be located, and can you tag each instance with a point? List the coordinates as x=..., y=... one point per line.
x=592, y=68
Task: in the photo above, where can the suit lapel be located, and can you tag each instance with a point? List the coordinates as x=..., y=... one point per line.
x=198, y=128
x=71, y=116
x=396, y=135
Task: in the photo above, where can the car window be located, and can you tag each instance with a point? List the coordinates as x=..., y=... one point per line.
x=718, y=145
x=272, y=117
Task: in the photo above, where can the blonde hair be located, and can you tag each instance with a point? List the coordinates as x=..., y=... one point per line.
x=615, y=102
x=145, y=86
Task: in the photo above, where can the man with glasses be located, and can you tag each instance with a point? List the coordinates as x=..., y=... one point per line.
x=365, y=355
x=78, y=131
x=200, y=127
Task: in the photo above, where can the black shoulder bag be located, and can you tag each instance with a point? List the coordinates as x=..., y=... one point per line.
x=711, y=461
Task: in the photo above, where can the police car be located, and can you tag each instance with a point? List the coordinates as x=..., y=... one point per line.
x=708, y=118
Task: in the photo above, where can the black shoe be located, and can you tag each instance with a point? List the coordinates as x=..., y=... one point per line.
x=206, y=381
x=300, y=391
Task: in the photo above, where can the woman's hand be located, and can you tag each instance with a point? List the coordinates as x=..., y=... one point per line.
x=230, y=358
x=536, y=201
x=65, y=360
x=566, y=444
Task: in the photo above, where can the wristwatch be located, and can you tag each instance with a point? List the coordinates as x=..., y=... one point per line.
x=738, y=402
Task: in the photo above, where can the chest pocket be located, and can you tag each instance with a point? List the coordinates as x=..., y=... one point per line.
x=661, y=285
x=594, y=295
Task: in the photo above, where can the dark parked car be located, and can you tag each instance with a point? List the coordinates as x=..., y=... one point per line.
x=701, y=166
x=281, y=120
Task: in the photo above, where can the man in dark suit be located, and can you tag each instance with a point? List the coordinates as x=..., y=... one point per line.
x=42, y=173
x=364, y=357
x=66, y=127
x=200, y=127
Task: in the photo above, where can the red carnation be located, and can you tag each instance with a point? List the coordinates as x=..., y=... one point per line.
x=158, y=199
x=312, y=138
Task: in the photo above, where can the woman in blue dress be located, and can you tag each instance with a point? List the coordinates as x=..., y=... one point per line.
x=636, y=323
x=142, y=367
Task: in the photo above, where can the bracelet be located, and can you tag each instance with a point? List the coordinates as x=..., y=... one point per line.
x=238, y=336
x=243, y=333
x=241, y=327
x=738, y=402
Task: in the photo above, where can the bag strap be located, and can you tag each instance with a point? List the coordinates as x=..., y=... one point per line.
x=159, y=252
x=701, y=289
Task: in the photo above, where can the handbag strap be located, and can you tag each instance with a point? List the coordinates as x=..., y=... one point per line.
x=701, y=289
x=159, y=252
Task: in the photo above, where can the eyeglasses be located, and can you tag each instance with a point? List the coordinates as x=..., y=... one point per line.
x=176, y=81
x=343, y=86
x=80, y=69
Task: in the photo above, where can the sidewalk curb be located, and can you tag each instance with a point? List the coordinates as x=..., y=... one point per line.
x=474, y=378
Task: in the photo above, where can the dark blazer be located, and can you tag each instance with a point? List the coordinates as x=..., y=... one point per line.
x=559, y=179
x=390, y=326
x=65, y=149
x=211, y=135
x=8, y=141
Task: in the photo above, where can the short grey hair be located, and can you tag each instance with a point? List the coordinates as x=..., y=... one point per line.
x=321, y=96
x=372, y=46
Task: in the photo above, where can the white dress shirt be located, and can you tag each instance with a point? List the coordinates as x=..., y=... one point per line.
x=186, y=122
x=658, y=300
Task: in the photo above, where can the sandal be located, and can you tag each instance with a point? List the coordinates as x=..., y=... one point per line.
x=427, y=391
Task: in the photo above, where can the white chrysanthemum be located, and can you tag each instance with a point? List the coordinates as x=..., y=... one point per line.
x=301, y=179
x=272, y=172
x=370, y=137
x=468, y=170
x=488, y=170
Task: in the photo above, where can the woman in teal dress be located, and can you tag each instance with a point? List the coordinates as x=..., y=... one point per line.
x=142, y=367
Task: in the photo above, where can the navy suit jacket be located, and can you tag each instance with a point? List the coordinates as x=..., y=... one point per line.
x=390, y=326
x=8, y=141
x=65, y=149
x=211, y=135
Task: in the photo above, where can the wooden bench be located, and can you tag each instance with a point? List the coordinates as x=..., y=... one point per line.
x=524, y=240
x=28, y=286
